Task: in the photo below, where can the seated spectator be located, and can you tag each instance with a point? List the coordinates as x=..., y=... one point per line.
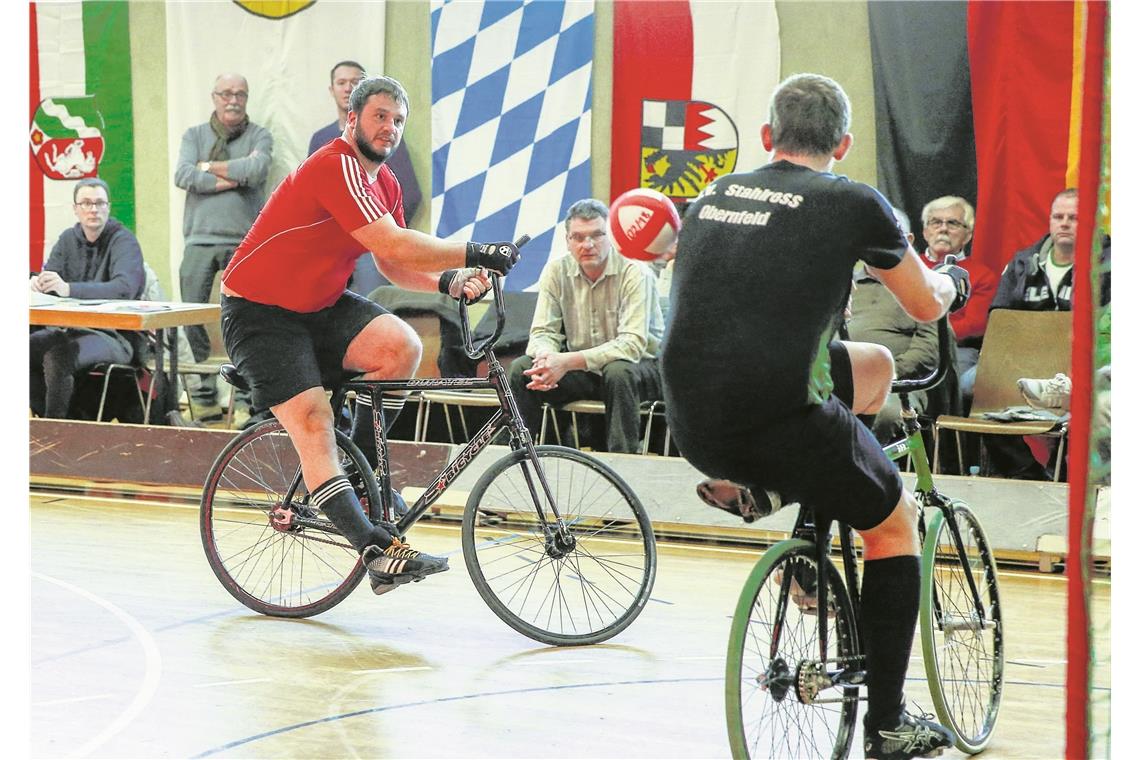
x=1037, y=278
x=948, y=227
x=876, y=317
x=596, y=332
x=97, y=258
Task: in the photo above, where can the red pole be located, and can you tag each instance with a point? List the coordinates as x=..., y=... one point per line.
x=1078, y=565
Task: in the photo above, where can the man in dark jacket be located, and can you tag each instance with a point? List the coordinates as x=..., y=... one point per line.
x=1040, y=277
x=98, y=258
x=1037, y=278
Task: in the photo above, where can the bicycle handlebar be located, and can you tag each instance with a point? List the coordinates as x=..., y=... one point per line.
x=477, y=352
x=944, y=356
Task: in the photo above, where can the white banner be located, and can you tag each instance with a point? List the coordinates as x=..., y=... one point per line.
x=285, y=58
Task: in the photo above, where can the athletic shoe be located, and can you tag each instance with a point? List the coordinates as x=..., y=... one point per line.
x=908, y=736
x=399, y=564
x=1054, y=393
x=737, y=499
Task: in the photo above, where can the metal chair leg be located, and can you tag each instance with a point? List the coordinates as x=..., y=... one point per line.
x=937, y=440
x=1060, y=458
x=648, y=428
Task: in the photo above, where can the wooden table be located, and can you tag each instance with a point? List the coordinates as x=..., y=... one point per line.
x=131, y=315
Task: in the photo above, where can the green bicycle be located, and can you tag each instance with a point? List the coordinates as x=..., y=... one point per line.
x=795, y=656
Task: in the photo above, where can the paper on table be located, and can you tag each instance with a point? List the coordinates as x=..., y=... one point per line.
x=44, y=299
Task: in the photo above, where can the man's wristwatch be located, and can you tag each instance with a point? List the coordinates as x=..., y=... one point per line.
x=204, y=166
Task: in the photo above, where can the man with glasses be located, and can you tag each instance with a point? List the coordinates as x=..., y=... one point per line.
x=596, y=332
x=948, y=226
x=222, y=166
x=344, y=76
x=96, y=258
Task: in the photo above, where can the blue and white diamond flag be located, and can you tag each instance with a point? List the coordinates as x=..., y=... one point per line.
x=510, y=121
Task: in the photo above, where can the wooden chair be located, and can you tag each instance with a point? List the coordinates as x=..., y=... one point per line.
x=1017, y=344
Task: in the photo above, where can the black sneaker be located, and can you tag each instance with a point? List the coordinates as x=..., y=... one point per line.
x=911, y=736
x=399, y=564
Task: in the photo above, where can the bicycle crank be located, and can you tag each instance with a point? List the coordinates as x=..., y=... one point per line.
x=813, y=678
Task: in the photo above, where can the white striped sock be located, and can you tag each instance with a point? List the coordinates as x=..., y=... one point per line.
x=329, y=489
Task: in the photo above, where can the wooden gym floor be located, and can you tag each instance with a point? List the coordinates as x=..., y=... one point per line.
x=137, y=651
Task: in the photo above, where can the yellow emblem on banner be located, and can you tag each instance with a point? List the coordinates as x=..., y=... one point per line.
x=274, y=8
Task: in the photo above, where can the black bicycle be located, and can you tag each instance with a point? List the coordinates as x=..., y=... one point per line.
x=795, y=656
x=557, y=544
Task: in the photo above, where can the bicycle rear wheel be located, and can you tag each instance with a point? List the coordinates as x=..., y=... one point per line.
x=557, y=592
x=270, y=550
x=774, y=656
x=962, y=635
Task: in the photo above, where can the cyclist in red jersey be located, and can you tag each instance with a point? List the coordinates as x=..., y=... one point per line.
x=291, y=327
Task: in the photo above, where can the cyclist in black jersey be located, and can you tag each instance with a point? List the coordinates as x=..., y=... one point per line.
x=763, y=269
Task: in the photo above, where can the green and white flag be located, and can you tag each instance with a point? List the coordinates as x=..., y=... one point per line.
x=80, y=118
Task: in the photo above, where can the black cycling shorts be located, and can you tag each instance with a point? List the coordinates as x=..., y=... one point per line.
x=281, y=353
x=820, y=455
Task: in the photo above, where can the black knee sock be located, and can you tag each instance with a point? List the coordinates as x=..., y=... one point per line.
x=890, y=611
x=338, y=501
x=363, y=433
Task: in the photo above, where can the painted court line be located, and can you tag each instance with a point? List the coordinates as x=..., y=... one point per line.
x=151, y=674
x=392, y=670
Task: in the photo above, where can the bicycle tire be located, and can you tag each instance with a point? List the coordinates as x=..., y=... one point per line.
x=964, y=654
x=590, y=593
x=765, y=715
x=292, y=573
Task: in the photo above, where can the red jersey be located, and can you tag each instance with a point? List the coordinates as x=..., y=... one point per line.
x=299, y=254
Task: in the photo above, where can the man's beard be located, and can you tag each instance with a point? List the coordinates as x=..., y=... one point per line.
x=369, y=152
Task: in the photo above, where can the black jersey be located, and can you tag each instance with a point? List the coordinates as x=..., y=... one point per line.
x=763, y=270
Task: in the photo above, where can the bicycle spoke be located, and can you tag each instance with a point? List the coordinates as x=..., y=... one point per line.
x=585, y=580
x=268, y=564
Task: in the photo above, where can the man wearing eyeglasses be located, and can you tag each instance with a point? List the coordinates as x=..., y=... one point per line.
x=96, y=258
x=222, y=166
x=596, y=332
x=344, y=76
x=948, y=226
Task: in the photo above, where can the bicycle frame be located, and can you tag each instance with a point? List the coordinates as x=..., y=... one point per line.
x=507, y=416
x=819, y=532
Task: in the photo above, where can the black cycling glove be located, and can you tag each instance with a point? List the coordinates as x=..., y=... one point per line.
x=961, y=280
x=498, y=257
x=451, y=283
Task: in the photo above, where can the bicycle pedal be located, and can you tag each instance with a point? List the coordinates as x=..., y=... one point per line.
x=737, y=499
x=383, y=588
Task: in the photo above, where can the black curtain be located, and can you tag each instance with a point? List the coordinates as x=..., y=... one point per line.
x=924, y=131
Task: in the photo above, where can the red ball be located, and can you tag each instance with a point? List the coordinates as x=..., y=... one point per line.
x=643, y=224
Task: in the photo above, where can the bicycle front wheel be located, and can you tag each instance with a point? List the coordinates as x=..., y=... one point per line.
x=778, y=703
x=578, y=586
x=962, y=635
x=270, y=550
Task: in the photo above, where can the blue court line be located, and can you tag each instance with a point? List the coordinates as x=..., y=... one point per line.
x=441, y=700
